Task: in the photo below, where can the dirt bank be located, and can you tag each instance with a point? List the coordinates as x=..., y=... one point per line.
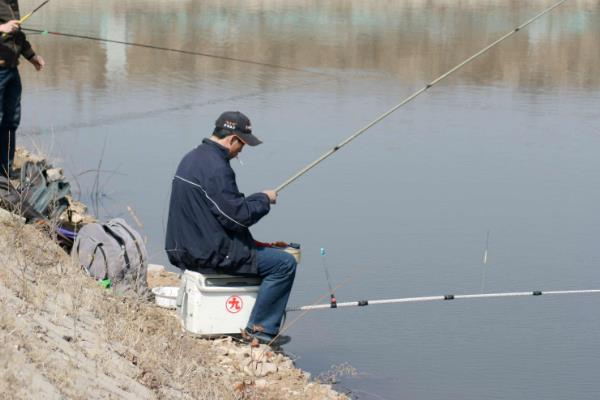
x=64, y=336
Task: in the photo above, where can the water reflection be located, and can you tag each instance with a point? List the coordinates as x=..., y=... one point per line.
x=413, y=41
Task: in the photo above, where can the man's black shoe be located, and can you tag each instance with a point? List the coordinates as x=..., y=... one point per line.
x=265, y=338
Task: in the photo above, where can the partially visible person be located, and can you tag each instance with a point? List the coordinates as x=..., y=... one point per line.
x=13, y=44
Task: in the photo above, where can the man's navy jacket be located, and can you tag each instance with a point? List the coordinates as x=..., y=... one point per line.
x=209, y=218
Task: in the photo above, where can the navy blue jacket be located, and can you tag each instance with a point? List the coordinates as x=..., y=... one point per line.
x=209, y=218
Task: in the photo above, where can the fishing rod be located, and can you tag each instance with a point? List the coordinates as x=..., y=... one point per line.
x=26, y=17
x=364, y=303
x=410, y=98
x=172, y=50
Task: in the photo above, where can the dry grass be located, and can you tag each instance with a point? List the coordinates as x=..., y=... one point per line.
x=63, y=336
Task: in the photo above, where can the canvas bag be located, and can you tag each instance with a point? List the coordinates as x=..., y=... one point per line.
x=114, y=251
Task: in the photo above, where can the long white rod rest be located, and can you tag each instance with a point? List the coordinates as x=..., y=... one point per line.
x=362, y=303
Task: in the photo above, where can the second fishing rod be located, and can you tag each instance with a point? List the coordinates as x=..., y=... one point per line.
x=413, y=96
x=27, y=16
x=174, y=50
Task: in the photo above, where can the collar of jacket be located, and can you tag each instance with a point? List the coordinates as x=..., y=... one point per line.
x=217, y=146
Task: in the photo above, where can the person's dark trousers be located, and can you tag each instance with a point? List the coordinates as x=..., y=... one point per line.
x=10, y=116
x=277, y=270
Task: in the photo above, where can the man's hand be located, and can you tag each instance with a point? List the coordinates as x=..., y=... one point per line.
x=10, y=27
x=272, y=196
x=38, y=62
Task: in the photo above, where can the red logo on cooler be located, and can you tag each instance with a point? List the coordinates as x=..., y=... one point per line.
x=234, y=304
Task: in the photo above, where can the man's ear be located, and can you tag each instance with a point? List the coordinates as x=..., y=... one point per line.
x=231, y=140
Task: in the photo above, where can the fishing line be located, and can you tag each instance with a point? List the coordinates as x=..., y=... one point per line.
x=364, y=303
x=332, y=299
x=410, y=98
x=128, y=116
x=288, y=325
x=172, y=50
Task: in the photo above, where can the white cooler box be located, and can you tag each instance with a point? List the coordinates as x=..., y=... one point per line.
x=212, y=305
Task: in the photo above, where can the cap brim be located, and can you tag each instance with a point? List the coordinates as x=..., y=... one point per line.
x=249, y=139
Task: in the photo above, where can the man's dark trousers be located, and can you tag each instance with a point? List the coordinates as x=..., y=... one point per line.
x=10, y=116
x=277, y=270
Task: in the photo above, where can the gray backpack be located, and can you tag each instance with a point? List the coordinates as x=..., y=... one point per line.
x=114, y=251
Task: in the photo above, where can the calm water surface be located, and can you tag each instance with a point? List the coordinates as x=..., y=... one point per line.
x=508, y=145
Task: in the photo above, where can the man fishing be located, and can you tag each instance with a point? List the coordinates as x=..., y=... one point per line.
x=13, y=44
x=209, y=220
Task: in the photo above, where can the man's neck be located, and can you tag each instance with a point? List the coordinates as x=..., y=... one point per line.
x=219, y=144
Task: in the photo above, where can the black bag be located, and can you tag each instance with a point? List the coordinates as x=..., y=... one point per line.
x=12, y=200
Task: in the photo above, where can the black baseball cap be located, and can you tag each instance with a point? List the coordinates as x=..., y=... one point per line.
x=235, y=123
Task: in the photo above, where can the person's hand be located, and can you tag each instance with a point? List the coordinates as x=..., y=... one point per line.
x=10, y=26
x=38, y=62
x=272, y=196
x=279, y=244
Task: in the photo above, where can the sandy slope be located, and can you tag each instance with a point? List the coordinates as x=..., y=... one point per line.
x=63, y=336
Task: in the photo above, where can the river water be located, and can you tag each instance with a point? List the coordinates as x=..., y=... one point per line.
x=509, y=145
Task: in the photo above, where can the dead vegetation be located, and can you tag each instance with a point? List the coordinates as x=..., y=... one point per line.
x=64, y=336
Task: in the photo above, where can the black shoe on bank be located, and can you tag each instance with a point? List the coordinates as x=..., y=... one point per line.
x=265, y=338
